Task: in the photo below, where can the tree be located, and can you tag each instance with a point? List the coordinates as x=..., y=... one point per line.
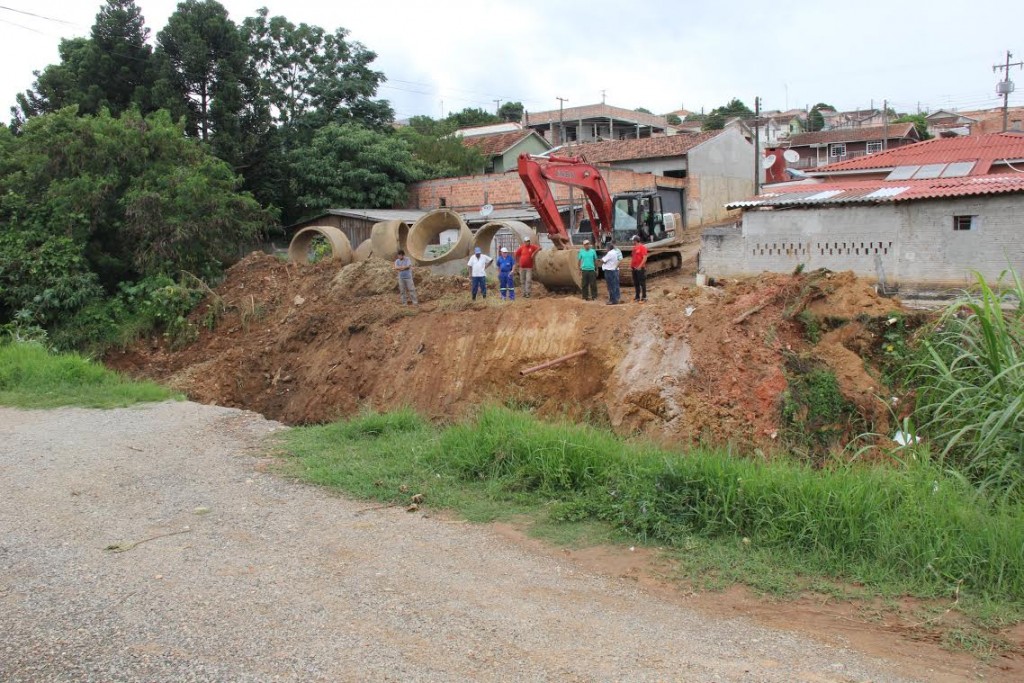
x=133, y=194
x=644, y=110
x=511, y=111
x=306, y=71
x=441, y=157
x=673, y=120
x=815, y=121
x=352, y=166
x=471, y=116
x=714, y=121
x=920, y=123
x=109, y=70
x=719, y=116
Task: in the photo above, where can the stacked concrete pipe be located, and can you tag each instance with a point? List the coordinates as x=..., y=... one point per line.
x=485, y=235
x=428, y=229
x=387, y=237
x=341, y=249
x=363, y=251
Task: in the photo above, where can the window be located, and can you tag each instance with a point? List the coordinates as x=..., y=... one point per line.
x=874, y=147
x=837, y=149
x=965, y=222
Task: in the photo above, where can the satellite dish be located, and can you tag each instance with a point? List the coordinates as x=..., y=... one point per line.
x=791, y=155
x=769, y=161
x=486, y=210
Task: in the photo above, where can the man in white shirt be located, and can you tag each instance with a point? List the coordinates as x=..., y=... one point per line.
x=610, y=266
x=478, y=263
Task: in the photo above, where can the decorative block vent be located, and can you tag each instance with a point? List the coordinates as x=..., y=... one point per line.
x=853, y=248
x=780, y=249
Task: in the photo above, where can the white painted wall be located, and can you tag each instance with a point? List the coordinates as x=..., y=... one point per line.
x=910, y=244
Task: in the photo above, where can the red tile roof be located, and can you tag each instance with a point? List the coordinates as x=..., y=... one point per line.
x=643, y=148
x=984, y=149
x=897, y=131
x=879, y=191
x=496, y=143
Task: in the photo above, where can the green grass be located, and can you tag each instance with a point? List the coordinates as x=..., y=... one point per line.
x=31, y=377
x=909, y=530
x=969, y=378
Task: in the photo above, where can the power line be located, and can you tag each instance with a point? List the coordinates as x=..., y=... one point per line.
x=37, y=16
x=24, y=27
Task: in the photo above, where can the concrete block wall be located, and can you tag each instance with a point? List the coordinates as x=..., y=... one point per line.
x=911, y=245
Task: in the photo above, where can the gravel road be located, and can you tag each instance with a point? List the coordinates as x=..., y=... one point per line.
x=265, y=579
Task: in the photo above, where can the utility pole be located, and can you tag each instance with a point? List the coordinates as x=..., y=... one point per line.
x=561, y=121
x=1005, y=86
x=885, y=118
x=497, y=107
x=757, y=146
x=602, y=97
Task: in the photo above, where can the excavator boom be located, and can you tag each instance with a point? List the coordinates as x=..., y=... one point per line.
x=536, y=172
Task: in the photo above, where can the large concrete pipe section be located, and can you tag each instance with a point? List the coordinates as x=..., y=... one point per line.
x=426, y=232
x=387, y=238
x=341, y=250
x=558, y=269
x=363, y=251
x=486, y=234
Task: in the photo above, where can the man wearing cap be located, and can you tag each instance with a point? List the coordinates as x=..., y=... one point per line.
x=638, y=264
x=505, y=265
x=587, y=258
x=524, y=262
x=478, y=263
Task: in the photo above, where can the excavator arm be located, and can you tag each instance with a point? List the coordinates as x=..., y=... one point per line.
x=536, y=172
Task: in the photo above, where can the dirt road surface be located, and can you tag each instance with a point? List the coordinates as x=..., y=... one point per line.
x=151, y=544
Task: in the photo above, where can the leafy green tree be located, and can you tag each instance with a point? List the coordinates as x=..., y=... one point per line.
x=472, y=116
x=306, y=71
x=673, y=120
x=133, y=194
x=644, y=110
x=815, y=121
x=714, y=121
x=511, y=111
x=347, y=165
x=719, y=116
x=441, y=157
x=112, y=69
x=920, y=123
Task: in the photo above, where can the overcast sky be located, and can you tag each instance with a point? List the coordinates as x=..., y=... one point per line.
x=658, y=54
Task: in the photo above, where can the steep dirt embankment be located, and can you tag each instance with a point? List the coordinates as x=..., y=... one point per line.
x=312, y=343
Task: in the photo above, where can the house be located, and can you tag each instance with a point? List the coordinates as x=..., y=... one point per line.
x=859, y=118
x=991, y=120
x=920, y=218
x=501, y=148
x=595, y=122
x=716, y=165
x=948, y=124
x=839, y=144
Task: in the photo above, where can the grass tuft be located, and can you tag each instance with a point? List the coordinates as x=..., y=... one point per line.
x=31, y=377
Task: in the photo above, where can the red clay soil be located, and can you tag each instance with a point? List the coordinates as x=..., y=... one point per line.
x=310, y=343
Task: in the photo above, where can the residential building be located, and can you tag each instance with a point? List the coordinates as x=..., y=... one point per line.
x=595, y=122
x=948, y=124
x=501, y=148
x=920, y=218
x=840, y=144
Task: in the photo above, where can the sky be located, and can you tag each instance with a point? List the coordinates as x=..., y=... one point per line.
x=659, y=54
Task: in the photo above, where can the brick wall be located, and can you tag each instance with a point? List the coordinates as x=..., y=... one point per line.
x=506, y=190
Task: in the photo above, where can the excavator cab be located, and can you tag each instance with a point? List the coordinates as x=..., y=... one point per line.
x=638, y=213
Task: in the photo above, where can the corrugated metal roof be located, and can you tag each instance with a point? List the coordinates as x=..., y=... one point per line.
x=877, y=191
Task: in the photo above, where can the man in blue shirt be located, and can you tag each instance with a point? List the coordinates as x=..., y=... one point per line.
x=505, y=265
x=403, y=264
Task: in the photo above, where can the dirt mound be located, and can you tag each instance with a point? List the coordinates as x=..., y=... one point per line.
x=310, y=343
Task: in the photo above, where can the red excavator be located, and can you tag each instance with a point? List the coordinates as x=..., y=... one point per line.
x=610, y=219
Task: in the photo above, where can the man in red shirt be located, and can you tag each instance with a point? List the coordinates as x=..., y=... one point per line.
x=524, y=262
x=638, y=263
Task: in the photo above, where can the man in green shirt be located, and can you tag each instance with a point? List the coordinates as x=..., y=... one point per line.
x=588, y=266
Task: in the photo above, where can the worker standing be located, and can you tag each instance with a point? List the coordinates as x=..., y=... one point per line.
x=524, y=262
x=478, y=263
x=610, y=265
x=638, y=264
x=588, y=267
x=403, y=265
x=505, y=265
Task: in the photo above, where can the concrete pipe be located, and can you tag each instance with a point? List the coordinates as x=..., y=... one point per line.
x=485, y=235
x=388, y=237
x=363, y=251
x=424, y=238
x=341, y=250
x=558, y=269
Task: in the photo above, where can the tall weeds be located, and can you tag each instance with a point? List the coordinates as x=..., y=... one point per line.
x=970, y=388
